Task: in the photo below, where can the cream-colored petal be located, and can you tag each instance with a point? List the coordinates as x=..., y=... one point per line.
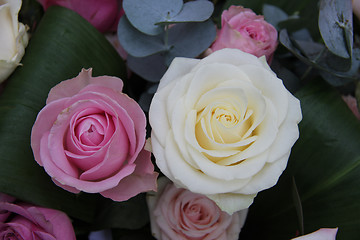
x=270, y=86
x=266, y=133
x=288, y=131
x=178, y=68
x=240, y=171
x=267, y=177
x=158, y=116
x=184, y=175
x=159, y=152
x=232, y=202
x=208, y=77
x=8, y=34
x=231, y=56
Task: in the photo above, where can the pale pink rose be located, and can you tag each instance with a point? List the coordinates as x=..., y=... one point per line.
x=321, y=234
x=244, y=30
x=352, y=104
x=104, y=14
x=177, y=213
x=90, y=137
x=356, y=8
x=29, y=222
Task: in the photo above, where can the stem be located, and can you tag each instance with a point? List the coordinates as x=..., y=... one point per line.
x=166, y=36
x=308, y=70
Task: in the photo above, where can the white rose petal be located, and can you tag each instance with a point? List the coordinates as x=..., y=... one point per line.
x=13, y=37
x=223, y=126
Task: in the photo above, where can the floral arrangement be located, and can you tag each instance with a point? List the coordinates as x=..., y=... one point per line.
x=176, y=119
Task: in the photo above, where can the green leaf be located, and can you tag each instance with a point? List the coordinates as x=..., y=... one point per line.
x=335, y=24
x=62, y=45
x=325, y=161
x=144, y=14
x=195, y=11
x=131, y=214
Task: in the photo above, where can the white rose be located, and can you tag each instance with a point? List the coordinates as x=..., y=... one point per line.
x=223, y=126
x=13, y=37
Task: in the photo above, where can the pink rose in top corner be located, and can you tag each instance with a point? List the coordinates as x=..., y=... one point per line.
x=241, y=28
x=356, y=8
x=20, y=220
x=90, y=137
x=104, y=14
x=352, y=104
x=321, y=234
x=177, y=213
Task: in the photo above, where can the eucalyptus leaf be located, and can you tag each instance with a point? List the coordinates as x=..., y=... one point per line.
x=151, y=68
x=325, y=161
x=190, y=39
x=274, y=15
x=144, y=14
x=316, y=63
x=136, y=43
x=62, y=45
x=335, y=24
x=194, y=11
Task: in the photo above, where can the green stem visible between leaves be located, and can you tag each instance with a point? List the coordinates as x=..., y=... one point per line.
x=308, y=70
x=166, y=36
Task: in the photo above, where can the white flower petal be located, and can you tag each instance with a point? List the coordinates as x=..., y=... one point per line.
x=178, y=68
x=267, y=177
x=288, y=131
x=270, y=86
x=184, y=175
x=232, y=202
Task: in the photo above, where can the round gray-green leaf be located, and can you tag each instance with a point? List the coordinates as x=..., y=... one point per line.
x=144, y=14
x=136, y=43
x=194, y=11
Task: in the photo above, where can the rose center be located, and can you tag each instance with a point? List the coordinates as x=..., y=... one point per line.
x=90, y=130
x=227, y=118
x=195, y=213
x=9, y=234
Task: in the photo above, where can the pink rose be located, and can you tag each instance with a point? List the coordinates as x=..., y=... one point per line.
x=321, y=234
x=25, y=221
x=104, y=14
x=356, y=8
x=90, y=137
x=352, y=104
x=244, y=30
x=177, y=213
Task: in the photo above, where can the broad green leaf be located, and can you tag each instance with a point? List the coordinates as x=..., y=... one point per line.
x=62, y=45
x=144, y=14
x=137, y=43
x=194, y=11
x=325, y=162
x=131, y=214
x=335, y=24
x=357, y=94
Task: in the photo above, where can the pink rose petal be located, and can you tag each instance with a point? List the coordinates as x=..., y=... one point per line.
x=321, y=234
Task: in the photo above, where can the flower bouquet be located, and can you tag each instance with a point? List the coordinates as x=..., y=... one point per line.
x=173, y=119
